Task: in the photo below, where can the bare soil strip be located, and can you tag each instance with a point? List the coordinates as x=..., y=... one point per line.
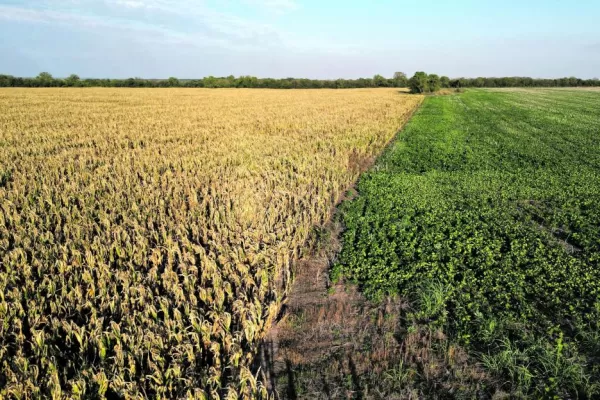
x=330, y=342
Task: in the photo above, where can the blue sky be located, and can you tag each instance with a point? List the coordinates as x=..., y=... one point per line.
x=300, y=38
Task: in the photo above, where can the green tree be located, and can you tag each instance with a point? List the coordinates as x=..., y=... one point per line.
x=434, y=82
x=174, y=82
x=573, y=81
x=210, y=81
x=445, y=82
x=6, y=81
x=380, y=81
x=419, y=83
x=44, y=79
x=247, y=82
x=400, y=79
x=73, y=80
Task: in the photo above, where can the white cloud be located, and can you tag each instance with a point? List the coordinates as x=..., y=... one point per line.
x=131, y=3
x=190, y=22
x=161, y=5
x=238, y=31
x=154, y=38
x=206, y=27
x=275, y=5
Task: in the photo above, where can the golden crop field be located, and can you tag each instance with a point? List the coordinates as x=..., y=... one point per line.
x=145, y=233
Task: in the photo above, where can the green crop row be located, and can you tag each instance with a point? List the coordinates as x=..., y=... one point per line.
x=485, y=213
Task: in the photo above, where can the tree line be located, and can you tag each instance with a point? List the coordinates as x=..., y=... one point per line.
x=422, y=82
x=419, y=83
x=45, y=79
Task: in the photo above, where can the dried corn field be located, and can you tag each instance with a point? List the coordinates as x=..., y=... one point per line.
x=145, y=234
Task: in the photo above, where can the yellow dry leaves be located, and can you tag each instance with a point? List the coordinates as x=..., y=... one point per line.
x=143, y=231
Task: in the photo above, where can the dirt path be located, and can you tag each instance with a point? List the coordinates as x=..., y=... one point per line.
x=329, y=338
x=332, y=343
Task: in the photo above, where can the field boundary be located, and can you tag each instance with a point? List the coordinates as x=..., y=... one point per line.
x=314, y=307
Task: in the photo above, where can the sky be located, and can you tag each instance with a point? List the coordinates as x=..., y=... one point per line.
x=324, y=39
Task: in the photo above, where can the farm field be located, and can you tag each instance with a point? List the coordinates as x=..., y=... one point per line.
x=147, y=236
x=485, y=215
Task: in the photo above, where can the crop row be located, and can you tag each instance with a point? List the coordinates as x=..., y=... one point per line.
x=485, y=213
x=146, y=237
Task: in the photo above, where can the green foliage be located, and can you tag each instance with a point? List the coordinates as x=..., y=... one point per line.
x=424, y=83
x=486, y=214
x=380, y=81
x=516, y=81
x=445, y=82
x=399, y=80
x=434, y=83
x=73, y=80
x=419, y=83
x=45, y=77
x=46, y=80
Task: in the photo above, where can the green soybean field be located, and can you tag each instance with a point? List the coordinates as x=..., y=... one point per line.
x=485, y=215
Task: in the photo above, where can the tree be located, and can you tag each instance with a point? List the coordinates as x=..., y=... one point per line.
x=419, y=83
x=490, y=82
x=400, y=79
x=44, y=79
x=210, y=81
x=434, y=82
x=445, y=82
x=247, y=82
x=130, y=82
x=379, y=81
x=458, y=83
x=573, y=81
x=72, y=80
x=339, y=84
x=7, y=81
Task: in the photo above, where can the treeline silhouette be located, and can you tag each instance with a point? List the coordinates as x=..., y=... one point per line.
x=399, y=80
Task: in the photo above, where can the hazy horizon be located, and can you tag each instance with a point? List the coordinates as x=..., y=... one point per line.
x=155, y=39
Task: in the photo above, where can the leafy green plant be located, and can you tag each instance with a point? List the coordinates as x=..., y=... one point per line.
x=485, y=213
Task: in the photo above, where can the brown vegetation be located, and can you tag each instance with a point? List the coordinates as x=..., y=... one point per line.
x=146, y=235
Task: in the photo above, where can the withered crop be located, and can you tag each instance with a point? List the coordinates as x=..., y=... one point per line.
x=146, y=236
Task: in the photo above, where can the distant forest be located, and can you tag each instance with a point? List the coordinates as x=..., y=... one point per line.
x=399, y=80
